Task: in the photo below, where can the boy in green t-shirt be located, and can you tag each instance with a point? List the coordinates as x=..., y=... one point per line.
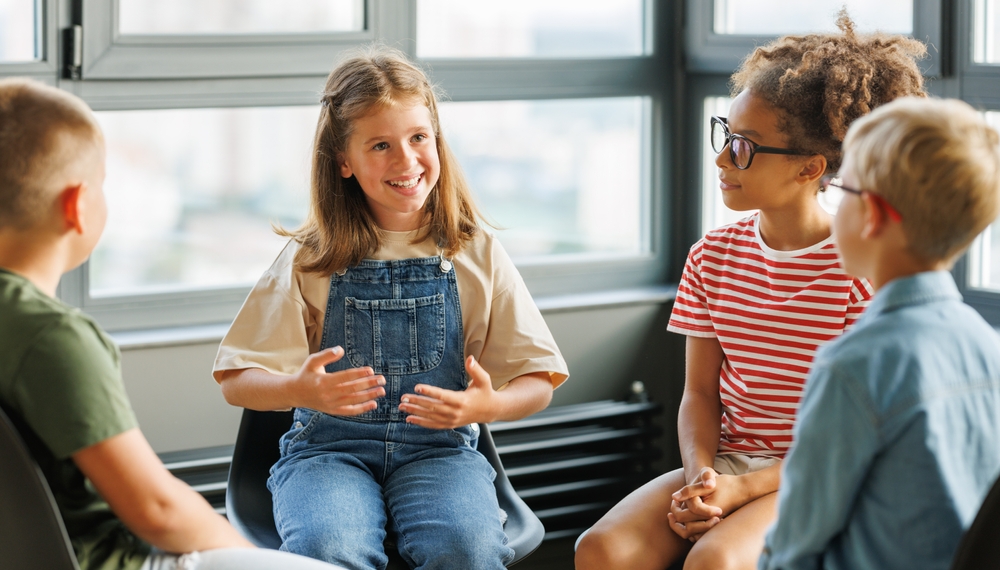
x=59, y=373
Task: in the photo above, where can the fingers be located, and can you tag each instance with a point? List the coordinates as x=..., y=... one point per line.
x=708, y=478
x=703, y=510
x=318, y=360
x=689, y=492
x=429, y=412
x=692, y=530
x=478, y=374
x=695, y=509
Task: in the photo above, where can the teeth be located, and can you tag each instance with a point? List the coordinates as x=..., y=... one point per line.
x=406, y=183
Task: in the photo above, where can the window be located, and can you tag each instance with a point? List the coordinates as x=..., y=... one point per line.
x=530, y=28
x=192, y=195
x=984, y=254
x=986, y=26
x=133, y=39
x=20, y=34
x=209, y=121
x=778, y=17
x=721, y=32
x=214, y=17
x=557, y=176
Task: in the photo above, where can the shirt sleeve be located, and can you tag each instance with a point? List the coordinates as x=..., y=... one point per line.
x=859, y=297
x=517, y=340
x=690, y=313
x=835, y=444
x=69, y=388
x=268, y=333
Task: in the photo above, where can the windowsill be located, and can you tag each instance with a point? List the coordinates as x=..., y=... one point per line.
x=213, y=333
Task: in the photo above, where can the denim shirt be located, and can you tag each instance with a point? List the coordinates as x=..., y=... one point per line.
x=898, y=436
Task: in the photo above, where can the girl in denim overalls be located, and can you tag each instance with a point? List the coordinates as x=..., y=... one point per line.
x=386, y=404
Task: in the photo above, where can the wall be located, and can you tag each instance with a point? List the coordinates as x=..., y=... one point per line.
x=180, y=407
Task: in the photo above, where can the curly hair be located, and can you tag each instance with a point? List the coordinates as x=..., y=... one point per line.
x=820, y=83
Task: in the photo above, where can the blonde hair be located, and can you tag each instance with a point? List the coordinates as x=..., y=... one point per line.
x=340, y=230
x=34, y=119
x=938, y=163
x=820, y=83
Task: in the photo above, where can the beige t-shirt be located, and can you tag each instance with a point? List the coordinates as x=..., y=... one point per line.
x=281, y=321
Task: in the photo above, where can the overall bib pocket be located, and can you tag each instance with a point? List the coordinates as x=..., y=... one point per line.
x=395, y=336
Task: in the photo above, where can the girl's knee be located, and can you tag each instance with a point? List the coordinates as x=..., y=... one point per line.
x=597, y=549
x=714, y=559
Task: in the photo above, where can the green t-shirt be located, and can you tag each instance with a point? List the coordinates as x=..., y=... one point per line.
x=60, y=381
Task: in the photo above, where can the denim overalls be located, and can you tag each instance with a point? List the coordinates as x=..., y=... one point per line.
x=339, y=477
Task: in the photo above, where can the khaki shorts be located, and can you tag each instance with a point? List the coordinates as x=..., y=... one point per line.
x=739, y=464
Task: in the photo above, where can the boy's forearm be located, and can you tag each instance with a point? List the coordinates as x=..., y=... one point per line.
x=152, y=503
x=185, y=522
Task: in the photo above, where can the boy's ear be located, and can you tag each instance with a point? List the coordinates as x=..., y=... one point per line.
x=813, y=169
x=71, y=206
x=875, y=218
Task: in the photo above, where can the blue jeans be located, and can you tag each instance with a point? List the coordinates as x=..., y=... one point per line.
x=334, y=497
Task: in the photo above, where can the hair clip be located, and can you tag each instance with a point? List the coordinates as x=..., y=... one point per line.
x=325, y=102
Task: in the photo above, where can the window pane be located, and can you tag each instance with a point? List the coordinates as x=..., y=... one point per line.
x=986, y=26
x=192, y=194
x=18, y=31
x=162, y=17
x=778, y=17
x=530, y=28
x=558, y=177
x=984, y=254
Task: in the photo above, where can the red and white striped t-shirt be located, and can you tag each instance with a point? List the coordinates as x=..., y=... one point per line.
x=770, y=311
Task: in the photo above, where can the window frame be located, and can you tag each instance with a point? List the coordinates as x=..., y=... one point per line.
x=107, y=54
x=47, y=65
x=107, y=83
x=710, y=52
x=977, y=86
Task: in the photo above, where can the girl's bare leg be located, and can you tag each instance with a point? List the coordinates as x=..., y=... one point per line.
x=737, y=541
x=635, y=534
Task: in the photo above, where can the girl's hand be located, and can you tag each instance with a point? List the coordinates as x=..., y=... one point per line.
x=437, y=408
x=344, y=393
x=691, y=514
x=713, y=495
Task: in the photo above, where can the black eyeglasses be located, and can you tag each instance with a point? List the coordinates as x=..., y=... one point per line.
x=828, y=182
x=741, y=149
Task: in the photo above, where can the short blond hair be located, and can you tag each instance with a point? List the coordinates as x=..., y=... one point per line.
x=938, y=163
x=33, y=121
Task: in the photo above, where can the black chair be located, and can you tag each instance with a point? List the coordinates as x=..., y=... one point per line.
x=248, y=501
x=980, y=545
x=32, y=534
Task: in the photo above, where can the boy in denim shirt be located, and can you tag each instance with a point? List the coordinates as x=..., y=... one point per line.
x=898, y=436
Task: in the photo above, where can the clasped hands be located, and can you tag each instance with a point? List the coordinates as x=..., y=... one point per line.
x=702, y=504
x=353, y=391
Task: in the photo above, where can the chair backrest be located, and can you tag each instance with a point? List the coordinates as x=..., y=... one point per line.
x=32, y=534
x=980, y=545
x=248, y=501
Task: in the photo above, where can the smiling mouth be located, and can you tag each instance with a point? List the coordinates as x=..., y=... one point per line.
x=407, y=183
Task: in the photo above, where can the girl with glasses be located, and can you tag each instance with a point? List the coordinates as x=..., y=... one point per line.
x=756, y=300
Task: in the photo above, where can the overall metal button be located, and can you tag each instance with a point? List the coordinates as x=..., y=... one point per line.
x=445, y=266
